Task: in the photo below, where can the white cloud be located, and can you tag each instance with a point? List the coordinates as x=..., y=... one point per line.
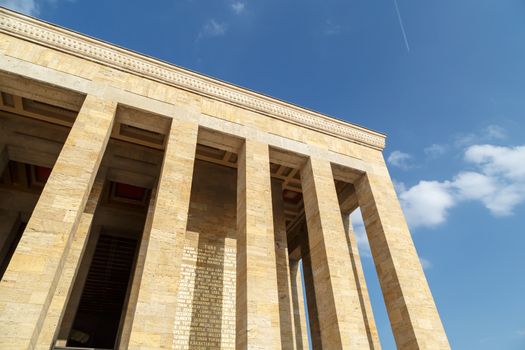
x=435, y=150
x=495, y=132
x=503, y=202
x=497, y=196
x=487, y=134
x=497, y=181
x=400, y=159
x=427, y=203
x=29, y=7
x=238, y=7
x=508, y=162
x=465, y=140
x=212, y=28
x=505, y=167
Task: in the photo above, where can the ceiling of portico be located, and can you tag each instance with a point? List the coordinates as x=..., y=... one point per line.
x=134, y=129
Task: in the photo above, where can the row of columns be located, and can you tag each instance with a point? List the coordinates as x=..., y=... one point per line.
x=32, y=276
x=34, y=289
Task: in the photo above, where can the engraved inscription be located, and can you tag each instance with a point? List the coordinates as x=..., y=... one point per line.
x=205, y=315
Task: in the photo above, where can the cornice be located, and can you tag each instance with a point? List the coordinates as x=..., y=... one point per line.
x=85, y=47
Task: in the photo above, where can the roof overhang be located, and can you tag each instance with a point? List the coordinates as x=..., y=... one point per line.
x=55, y=37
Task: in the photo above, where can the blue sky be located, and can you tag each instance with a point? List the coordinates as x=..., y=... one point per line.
x=451, y=100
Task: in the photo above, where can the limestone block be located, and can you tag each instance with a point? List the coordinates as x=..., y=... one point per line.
x=137, y=274
x=339, y=309
x=413, y=315
x=257, y=293
x=154, y=319
x=57, y=308
x=359, y=276
x=33, y=273
x=32, y=51
x=283, y=269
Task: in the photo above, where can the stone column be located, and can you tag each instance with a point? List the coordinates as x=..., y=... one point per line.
x=339, y=309
x=79, y=282
x=411, y=309
x=154, y=319
x=311, y=302
x=57, y=309
x=283, y=268
x=359, y=276
x=123, y=340
x=257, y=324
x=32, y=276
x=299, y=315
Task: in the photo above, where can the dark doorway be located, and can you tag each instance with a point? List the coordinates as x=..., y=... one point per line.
x=100, y=309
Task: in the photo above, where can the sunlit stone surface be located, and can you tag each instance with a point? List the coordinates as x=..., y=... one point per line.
x=143, y=206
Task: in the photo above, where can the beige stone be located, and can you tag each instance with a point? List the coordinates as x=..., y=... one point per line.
x=56, y=312
x=32, y=276
x=286, y=314
x=359, y=276
x=411, y=309
x=338, y=307
x=258, y=324
x=217, y=263
x=154, y=317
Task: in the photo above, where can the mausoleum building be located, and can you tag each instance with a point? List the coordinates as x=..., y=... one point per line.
x=145, y=206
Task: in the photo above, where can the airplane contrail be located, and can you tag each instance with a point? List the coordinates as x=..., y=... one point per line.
x=402, y=26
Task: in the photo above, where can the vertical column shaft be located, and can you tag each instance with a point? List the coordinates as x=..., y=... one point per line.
x=311, y=302
x=32, y=275
x=359, y=276
x=299, y=315
x=154, y=319
x=68, y=319
x=57, y=308
x=137, y=275
x=283, y=268
x=411, y=309
x=339, y=309
x=257, y=324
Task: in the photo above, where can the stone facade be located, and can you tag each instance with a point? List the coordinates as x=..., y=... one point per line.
x=181, y=212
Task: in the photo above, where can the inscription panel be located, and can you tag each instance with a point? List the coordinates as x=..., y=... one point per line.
x=205, y=316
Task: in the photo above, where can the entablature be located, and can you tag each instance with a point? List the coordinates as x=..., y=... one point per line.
x=72, y=43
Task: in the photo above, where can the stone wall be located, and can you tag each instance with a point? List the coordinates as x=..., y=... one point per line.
x=205, y=316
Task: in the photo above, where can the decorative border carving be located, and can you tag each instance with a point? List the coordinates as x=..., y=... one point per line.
x=101, y=52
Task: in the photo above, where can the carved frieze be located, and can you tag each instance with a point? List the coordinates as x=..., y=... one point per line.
x=100, y=52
